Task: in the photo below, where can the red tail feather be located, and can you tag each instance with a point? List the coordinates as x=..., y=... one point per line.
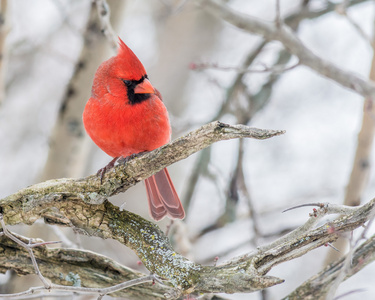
x=162, y=197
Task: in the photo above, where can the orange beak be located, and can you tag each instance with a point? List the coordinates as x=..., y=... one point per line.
x=145, y=87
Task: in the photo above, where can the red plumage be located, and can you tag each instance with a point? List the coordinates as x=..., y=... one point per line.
x=125, y=115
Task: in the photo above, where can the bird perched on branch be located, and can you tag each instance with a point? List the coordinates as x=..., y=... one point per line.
x=126, y=115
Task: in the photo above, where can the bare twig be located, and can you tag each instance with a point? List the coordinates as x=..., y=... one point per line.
x=68, y=145
x=323, y=210
x=290, y=41
x=7, y=233
x=274, y=69
x=100, y=291
x=64, y=239
x=104, y=14
x=361, y=166
x=259, y=100
x=80, y=204
x=82, y=268
x=342, y=10
x=349, y=293
x=278, y=14
x=317, y=286
x=244, y=189
x=345, y=270
x=330, y=208
x=153, y=248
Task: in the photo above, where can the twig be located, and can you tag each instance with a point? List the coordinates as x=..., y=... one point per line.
x=278, y=14
x=104, y=16
x=330, y=208
x=290, y=41
x=81, y=204
x=7, y=233
x=333, y=247
x=48, y=286
x=100, y=291
x=343, y=271
x=323, y=210
x=349, y=257
x=260, y=99
x=46, y=294
x=153, y=248
x=341, y=9
x=74, y=267
x=64, y=239
x=32, y=245
x=318, y=285
x=244, y=189
x=349, y=293
x=274, y=69
x=349, y=265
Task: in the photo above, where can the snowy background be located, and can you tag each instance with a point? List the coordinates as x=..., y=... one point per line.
x=310, y=163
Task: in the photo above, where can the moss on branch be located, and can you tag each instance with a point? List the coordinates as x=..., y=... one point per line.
x=81, y=204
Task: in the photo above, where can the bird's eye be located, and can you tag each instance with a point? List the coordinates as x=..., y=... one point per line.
x=127, y=82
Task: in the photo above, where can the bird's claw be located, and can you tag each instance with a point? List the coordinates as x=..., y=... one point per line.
x=124, y=160
x=121, y=160
x=101, y=172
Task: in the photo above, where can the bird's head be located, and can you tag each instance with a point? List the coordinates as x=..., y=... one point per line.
x=125, y=76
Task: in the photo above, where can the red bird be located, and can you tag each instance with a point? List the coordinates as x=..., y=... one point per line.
x=126, y=115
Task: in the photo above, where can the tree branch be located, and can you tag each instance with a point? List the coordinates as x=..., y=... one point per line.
x=317, y=286
x=123, y=176
x=242, y=274
x=70, y=267
x=74, y=203
x=306, y=238
x=82, y=205
x=290, y=41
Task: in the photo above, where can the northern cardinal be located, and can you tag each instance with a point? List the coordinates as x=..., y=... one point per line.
x=126, y=115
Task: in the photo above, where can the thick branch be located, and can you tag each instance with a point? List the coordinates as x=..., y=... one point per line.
x=79, y=203
x=304, y=239
x=123, y=176
x=73, y=266
x=63, y=202
x=317, y=286
x=290, y=41
x=242, y=274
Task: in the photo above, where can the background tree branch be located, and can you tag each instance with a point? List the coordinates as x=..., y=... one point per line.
x=242, y=274
x=290, y=41
x=318, y=285
x=68, y=151
x=230, y=182
x=61, y=266
x=48, y=201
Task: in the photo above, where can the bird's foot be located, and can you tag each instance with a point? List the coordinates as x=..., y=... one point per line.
x=124, y=160
x=101, y=172
x=121, y=160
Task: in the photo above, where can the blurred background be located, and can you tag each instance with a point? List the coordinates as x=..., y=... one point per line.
x=206, y=70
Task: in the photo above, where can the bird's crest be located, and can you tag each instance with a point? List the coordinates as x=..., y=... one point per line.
x=129, y=61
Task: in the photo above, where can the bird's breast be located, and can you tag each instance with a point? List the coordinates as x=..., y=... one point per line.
x=121, y=129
